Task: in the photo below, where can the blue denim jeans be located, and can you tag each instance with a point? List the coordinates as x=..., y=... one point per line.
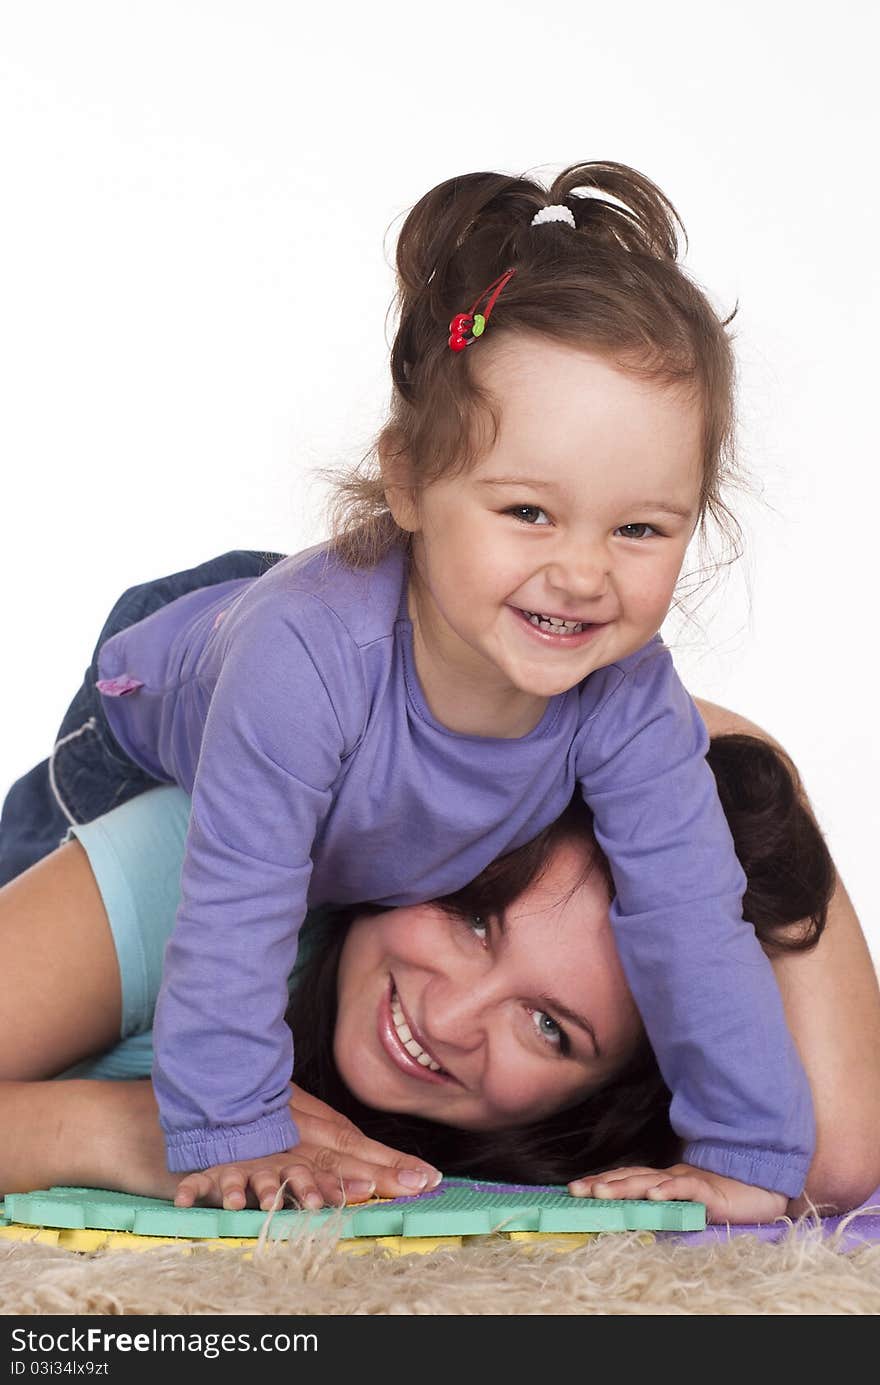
x=88, y=772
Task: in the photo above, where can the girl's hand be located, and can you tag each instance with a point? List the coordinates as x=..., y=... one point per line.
x=334, y=1163
x=726, y=1200
x=255, y=1183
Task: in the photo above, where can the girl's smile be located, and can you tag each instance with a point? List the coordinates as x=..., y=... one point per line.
x=570, y=632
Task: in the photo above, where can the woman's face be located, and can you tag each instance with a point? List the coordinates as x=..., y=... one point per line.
x=478, y=1022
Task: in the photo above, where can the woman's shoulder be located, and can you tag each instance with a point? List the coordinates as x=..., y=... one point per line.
x=722, y=721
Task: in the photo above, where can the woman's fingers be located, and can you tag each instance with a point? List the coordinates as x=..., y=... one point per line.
x=385, y=1180
x=319, y=1124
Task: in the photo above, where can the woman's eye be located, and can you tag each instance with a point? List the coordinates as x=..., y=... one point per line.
x=548, y=1030
x=479, y=926
x=636, y=531
x=526, y=514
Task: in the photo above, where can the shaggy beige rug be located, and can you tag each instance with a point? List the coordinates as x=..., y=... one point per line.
x=804, y=1273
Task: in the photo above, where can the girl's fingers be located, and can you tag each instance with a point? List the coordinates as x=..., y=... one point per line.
x=340, y=1192
x=313, y=1188
x=301, y=1187
x=226, y=1188
x=681, y=1188
x=317, y=1176
x=620, y=1183
x=725, y=1199
x=309, y=1188
x=232, y=1185
x=622, y=1188
x=193, y=1188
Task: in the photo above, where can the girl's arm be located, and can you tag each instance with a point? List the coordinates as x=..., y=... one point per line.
x=832, y=1005
x=704, y=987
x=61, y=1004
x=831, y=1001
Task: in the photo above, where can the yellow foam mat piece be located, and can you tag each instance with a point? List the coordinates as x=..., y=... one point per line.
x=86, y=1241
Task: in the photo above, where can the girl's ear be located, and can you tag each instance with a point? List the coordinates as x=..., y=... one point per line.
x=401, y=492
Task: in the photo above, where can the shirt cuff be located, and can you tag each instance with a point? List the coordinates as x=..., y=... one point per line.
x=188, y=1150
x=760, y=1168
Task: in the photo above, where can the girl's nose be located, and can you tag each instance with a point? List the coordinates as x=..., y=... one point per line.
x=580, y=569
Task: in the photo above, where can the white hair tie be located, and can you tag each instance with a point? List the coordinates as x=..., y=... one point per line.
x=555, y=213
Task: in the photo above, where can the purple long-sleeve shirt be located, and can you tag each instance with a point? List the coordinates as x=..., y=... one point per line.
x=289, y=706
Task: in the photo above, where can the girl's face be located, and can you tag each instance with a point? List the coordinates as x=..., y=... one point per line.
x=481, y=1022
x=581, y=511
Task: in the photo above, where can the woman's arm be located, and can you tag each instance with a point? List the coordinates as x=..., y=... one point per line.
x=62, y=998
x=832, y=1004
x=84, y=1134
x=62, y=1003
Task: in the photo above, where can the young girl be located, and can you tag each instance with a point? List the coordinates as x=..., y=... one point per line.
x=379, y=718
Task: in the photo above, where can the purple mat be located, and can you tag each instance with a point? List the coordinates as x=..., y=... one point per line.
x=861, y=1227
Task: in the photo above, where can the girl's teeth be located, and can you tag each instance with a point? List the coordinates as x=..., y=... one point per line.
x=404, y=1033
x=554, y=624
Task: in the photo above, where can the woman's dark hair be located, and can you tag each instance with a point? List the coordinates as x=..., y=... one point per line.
x=790, y=879
x=612, y=284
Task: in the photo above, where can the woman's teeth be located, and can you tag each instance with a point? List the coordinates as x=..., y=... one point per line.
x=555, y=624
x=404, y=1034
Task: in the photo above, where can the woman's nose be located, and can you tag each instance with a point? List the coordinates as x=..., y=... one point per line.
x=453, y=1014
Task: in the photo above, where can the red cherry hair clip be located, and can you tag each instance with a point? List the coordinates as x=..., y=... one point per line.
x=466, y=327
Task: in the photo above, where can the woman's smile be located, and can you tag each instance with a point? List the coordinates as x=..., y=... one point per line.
x=437, y=1012
x=397, y=1039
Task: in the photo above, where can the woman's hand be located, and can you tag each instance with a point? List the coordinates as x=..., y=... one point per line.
x=726, y=1200
x=334, y=1163
x=391, y=1172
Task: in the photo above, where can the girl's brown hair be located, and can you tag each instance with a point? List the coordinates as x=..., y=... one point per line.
x=611, y=285
x=790, y=880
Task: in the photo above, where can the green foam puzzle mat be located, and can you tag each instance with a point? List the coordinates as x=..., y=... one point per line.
x=458, y=1207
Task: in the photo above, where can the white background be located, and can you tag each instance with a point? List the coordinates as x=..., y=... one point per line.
x=196, y=274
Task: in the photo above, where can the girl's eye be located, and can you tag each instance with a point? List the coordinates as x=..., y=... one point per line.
x=526, y=514
x=549, y=1031
x=636, y=531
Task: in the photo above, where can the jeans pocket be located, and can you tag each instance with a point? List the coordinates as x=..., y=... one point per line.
x=85, y=780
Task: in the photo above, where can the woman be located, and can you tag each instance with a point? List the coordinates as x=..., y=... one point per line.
x=493, y=1083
